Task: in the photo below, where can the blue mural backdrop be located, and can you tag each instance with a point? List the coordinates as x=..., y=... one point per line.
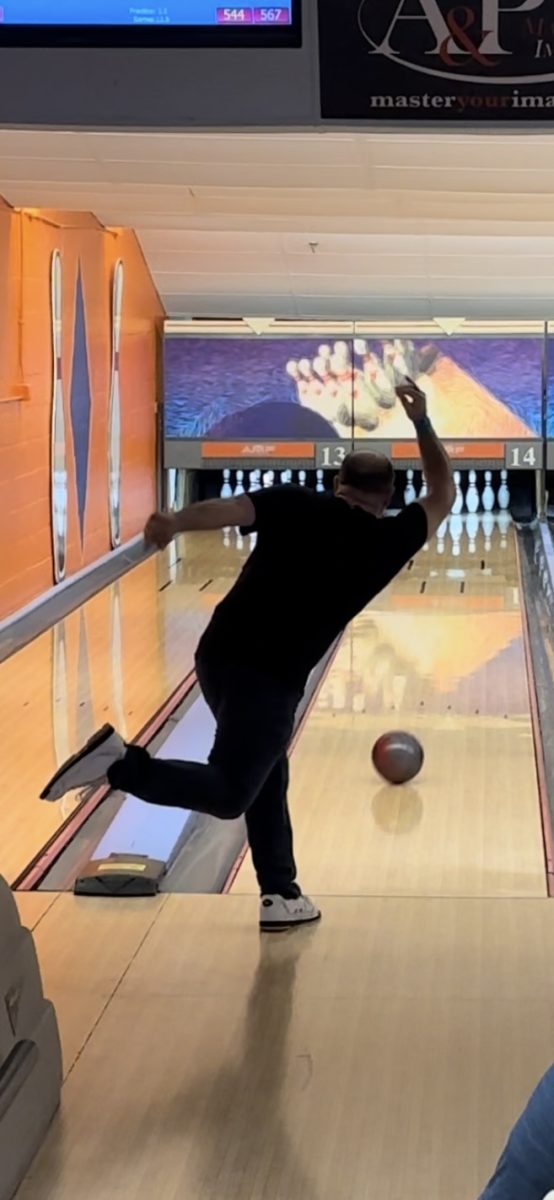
x=550, y=387
x=245, y=388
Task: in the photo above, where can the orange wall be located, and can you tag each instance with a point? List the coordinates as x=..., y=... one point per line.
x=26, y=246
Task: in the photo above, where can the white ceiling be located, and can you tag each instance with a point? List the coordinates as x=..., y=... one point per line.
x=313, y=224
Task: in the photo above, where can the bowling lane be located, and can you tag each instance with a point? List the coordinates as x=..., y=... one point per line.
x=117, y=659
x=441, y=654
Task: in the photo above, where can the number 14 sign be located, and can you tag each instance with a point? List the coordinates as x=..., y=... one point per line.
x=524, y=456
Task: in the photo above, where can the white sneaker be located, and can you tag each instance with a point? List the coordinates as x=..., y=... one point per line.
x=277, y=913
x=89, y=766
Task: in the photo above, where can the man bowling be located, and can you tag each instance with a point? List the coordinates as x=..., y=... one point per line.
x=318, y=561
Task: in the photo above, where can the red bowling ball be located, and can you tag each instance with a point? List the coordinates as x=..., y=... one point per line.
x=398, y=757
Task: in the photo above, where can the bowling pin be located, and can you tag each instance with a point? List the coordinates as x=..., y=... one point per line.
x=302, y=478
x=388, y=364
x=172, y=483
x=302, y=384
x=410, y=493
x=458, y=505
x=400, y=362
x=472, y=527
x=181, y=488
x=488, y=494
x=342, y=351
x=472, y=498
x=114, y=434
x=314, y=383
x=320, y=486
x=239, y=487
x=423, y=491
x=226, y=491
x=375, y=375
x=504, y=492
x=488, y=528
x=254, y=486
x=226, y=494
x=456, y=530
x=331, y=386
x=58, y=443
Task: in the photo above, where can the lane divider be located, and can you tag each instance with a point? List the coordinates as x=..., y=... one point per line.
x=544, y=802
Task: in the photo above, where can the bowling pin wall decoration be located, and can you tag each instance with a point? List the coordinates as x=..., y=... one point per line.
x=114, y=433
x=58, y=482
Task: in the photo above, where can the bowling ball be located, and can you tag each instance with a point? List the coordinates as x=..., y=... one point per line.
x=398, y=757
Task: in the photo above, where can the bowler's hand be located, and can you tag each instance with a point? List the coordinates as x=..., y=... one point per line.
x=413, y=400
x=160, y=529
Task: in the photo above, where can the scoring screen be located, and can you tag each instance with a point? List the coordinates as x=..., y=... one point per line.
x=246, y=388
x=178, y=13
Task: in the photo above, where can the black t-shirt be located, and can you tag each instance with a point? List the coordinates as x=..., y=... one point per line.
x=316, y=564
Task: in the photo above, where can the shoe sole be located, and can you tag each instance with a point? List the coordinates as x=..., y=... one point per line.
x=282, y=926
x=93, y=743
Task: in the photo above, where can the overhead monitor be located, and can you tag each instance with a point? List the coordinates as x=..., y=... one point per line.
x=149, y=23
x=232, y=388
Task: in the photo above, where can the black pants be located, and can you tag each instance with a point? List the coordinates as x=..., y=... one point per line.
x=247, y=770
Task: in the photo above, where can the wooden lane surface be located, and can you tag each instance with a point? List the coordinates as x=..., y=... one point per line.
x=440, y=654
x=383, y=1054
x=85, y=947
x=33, y=906
x=115, y=659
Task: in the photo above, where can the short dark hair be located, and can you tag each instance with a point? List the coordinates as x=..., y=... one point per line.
x=372, y=473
